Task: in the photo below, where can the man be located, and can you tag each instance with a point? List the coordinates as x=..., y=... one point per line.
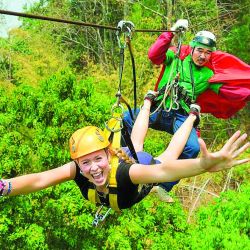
x=185, y=77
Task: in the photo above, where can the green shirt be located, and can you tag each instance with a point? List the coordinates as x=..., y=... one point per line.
x=188, y=71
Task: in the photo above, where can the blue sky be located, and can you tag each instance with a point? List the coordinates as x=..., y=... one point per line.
x=9, y=22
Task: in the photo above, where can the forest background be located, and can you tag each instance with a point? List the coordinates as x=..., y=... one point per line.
x=56, y=78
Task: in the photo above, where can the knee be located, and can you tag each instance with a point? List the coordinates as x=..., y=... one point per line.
x=127, y=118
x=193, y=149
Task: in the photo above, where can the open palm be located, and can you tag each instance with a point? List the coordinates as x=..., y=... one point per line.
x=227, y=157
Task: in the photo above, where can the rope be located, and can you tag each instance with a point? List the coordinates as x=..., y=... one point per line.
x=169, y=86
x=172, y=84
x=126, y=29
x=134, y=73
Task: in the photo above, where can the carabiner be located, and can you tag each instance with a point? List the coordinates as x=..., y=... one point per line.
x=116, y=106
x=100, y=217
x=180, y=35
x=176, y=104
x=126, y=27
x=113, y=130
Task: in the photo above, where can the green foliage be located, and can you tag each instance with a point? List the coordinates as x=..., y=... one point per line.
x=83, y=44
x=43, y=100
x=37, y=122
x=28, y=58
x=44, y=220
x=225, y=224
x=58, y=218
x=236, y=41
x=156, y=142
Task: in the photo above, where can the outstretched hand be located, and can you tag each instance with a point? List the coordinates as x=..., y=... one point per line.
x=227, y=157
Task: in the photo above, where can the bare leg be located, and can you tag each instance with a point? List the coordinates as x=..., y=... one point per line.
x=140, y=127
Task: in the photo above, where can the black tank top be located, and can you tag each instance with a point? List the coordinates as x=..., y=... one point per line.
x=127, y=192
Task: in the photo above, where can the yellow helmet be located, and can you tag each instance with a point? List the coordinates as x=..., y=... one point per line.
x=87, y=140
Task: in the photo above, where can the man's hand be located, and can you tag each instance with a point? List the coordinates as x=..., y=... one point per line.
x=180, y=25
x=151, y=95
x=195, y=109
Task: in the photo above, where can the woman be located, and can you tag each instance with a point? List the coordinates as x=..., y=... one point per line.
x=91, y=154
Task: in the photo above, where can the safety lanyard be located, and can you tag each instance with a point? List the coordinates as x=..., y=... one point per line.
x=192, y=80
x=124, y=36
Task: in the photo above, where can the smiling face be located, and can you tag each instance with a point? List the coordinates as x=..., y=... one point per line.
x=201, y=56
x=95, y=166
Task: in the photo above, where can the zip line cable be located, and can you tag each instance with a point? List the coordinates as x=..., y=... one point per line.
x=12, y=13
x=26, y=15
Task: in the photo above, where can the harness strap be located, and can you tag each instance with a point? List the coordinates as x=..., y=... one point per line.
x=121, y=66
x=192, y=80
x=122, y=100
x=113, y=184
x=126, y=27
x=92, y=195
x=113, y=132
x=160, y=77
x=129, y=143
x=115, y=125
x=133, y=68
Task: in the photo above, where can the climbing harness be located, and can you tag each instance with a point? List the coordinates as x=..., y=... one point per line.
x=113, y=132
x=171, y=90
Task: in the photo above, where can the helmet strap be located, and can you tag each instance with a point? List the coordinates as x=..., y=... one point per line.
x=192, y=51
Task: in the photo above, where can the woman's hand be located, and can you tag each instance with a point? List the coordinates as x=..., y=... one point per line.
x=226, y=157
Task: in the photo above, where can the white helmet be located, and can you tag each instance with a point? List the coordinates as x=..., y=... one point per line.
x=204, y=39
